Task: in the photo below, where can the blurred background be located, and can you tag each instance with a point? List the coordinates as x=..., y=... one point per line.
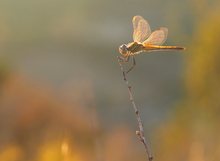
x=62, y=95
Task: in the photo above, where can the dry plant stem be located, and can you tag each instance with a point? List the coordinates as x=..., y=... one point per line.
x=139, y=133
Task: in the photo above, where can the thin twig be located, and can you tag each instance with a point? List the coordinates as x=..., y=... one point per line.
x=140, y=132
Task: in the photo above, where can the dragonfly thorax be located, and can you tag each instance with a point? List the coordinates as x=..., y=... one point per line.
x=123, y=49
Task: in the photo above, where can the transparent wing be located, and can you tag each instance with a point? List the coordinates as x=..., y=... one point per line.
x=157, y=37
x=141, y=29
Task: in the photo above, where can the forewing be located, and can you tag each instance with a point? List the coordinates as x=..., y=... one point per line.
x=157, y=37
x=141, y=29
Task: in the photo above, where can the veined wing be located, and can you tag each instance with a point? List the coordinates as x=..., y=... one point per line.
x=157, y=37
x=141, y=29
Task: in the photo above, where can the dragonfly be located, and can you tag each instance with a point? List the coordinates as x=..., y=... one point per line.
x=145, y=41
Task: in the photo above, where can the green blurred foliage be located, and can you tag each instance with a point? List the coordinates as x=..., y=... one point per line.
x=193, y=133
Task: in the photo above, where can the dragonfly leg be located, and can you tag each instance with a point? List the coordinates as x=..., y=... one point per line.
x=123, y=59
x=133, y=65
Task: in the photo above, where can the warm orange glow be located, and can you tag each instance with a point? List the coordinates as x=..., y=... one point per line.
x=64, y=148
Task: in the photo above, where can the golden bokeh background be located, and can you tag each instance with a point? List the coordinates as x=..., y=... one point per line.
x=62, y=94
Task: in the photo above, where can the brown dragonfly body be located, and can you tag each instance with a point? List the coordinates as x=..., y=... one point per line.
x=135, y=48
x=145, y=41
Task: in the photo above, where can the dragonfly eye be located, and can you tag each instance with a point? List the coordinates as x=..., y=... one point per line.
x=123, y=49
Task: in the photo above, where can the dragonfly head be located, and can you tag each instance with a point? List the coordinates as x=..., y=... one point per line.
x=123, y=49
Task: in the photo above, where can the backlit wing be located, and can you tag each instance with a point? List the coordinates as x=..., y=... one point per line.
x=141, y=29
x=157, y=37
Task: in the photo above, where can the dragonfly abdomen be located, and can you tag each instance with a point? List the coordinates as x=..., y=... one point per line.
x=157, y=47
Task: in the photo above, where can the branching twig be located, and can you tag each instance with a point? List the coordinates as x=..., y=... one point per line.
x=140, y=132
